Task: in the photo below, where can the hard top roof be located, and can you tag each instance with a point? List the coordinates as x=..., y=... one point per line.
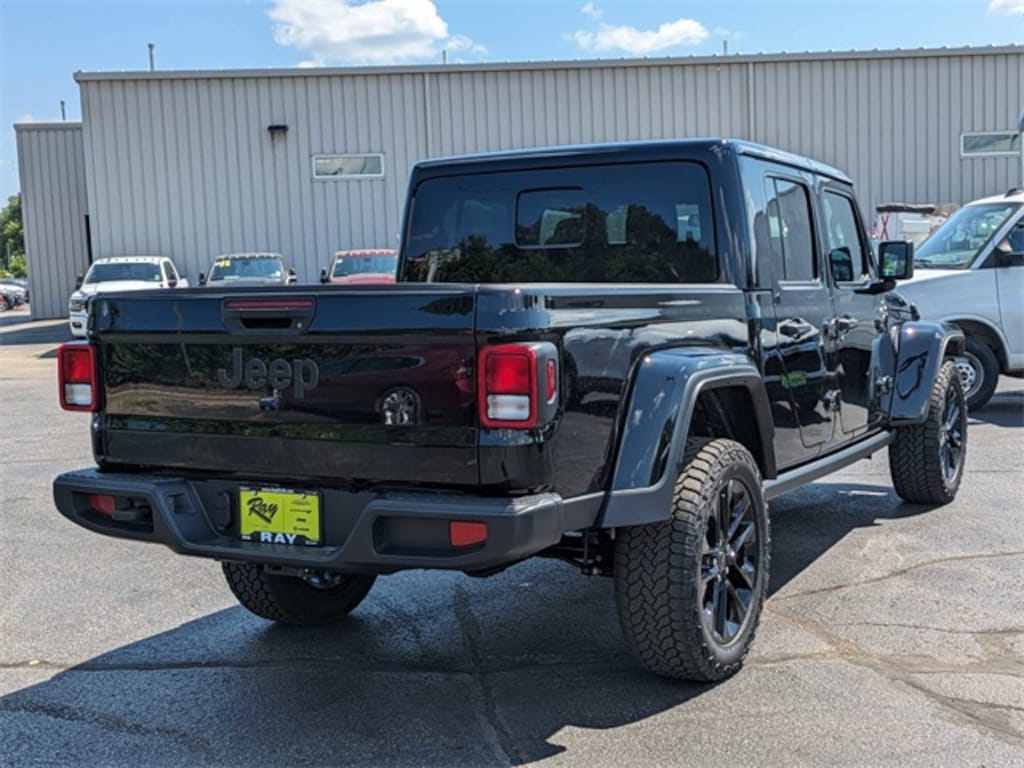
x=662, y=149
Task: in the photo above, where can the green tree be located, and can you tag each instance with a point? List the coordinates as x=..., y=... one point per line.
x=12, y=237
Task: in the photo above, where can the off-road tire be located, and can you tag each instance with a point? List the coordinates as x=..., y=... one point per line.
x=915, y=456
x=982, y=358
x=659, y=589
x=290, y=599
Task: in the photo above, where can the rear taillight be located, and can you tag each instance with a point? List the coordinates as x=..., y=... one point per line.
x=508, y=386
x=518, y=385
x=76, y=372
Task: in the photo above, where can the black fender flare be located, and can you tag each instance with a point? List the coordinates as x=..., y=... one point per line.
x=666, y=385
x=920, y=349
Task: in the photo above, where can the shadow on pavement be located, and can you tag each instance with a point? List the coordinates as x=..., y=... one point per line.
x=433, y=669
x=808, y=522
x=1005, y=409
x=21, y=329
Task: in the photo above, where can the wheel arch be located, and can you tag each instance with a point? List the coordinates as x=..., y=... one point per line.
x=675, y=392
x=921, y=350
x=993, y=336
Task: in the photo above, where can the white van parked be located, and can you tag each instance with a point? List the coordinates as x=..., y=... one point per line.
x=970, y=272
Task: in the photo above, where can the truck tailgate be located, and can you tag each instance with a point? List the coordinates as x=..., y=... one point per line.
x=311, y=383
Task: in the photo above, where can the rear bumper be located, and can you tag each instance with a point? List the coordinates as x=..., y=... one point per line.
x=370, y=532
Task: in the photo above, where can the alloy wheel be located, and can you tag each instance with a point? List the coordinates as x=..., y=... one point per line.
x=729, y=563
x=951, y=437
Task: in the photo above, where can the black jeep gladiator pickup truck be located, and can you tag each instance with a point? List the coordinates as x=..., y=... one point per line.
x=612, y=355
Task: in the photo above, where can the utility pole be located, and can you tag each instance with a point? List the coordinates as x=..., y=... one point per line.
x=63, y=116
x=152, y=66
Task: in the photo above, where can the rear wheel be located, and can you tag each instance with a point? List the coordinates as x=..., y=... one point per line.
x=690, y=590
x=926, y=460
x=316, y=597
x=979, y=372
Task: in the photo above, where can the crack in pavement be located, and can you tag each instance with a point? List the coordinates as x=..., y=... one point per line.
x=187, y=740
x=990, y=717
x=497, y=733
x=897, y=573
x=1007, y=632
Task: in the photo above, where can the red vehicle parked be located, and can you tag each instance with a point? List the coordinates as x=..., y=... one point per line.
x=362, y=267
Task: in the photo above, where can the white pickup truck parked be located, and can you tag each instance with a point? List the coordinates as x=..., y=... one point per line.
x=970, y=272
x=119, y=273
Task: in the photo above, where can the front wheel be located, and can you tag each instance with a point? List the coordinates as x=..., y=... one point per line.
x=316, y=597
x=689, y=590
x=926, y=460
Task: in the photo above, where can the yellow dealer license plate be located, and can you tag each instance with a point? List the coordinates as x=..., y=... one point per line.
x=279, y=516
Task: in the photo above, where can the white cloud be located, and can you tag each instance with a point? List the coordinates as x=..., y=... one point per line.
x=589, y=9
x=463, y=43
x=1008, y=7
x=642, y=41
x=373, y=32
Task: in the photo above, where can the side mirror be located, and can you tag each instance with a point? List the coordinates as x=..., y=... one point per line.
x=78, y=281
x=202, y=278
x=897, y=259
x=323, y=276
x=841, y=264
x=292, y=277
x=172, y=282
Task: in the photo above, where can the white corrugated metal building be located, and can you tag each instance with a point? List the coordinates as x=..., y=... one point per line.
x=306, y=161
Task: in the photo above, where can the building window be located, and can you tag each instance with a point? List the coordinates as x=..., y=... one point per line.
x=990, y=144
x=348, y=166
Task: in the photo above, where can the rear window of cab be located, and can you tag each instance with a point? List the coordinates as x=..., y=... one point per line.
x=626, y=223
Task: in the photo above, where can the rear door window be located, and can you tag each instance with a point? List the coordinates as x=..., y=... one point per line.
x=630, y=223
x=789, y=231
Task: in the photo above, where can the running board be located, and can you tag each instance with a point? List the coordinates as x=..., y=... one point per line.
x=826, y=465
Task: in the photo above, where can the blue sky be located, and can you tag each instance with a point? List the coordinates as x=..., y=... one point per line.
x=44, y=42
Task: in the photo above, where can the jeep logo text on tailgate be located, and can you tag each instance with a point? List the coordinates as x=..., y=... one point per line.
x=301, y=375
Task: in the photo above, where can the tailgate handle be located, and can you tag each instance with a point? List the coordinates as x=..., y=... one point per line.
x=268, y=315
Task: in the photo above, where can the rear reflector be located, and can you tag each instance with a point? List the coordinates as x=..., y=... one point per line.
x=467, y=534
x=104, y=505
x=76, y=373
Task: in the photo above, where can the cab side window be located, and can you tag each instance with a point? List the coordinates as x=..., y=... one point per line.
x=845, y=248
x=789, y=233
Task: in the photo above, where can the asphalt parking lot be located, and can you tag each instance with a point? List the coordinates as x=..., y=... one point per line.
x=894, y=636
